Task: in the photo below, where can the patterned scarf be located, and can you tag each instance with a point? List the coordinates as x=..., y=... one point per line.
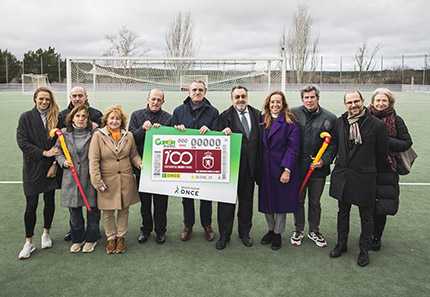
x=387, y=116
x=354, y=128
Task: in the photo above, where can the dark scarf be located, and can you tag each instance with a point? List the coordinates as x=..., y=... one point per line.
x=387, y=116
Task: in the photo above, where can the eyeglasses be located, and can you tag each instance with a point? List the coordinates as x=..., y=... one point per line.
x=195, y=90
x=243, y=96
x=77, y=95
x=349, y=103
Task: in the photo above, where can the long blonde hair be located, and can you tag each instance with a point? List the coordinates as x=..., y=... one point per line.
x=53, y=109
x=289, y=115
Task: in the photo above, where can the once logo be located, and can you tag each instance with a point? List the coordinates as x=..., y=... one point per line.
x=169, y=142
x=175, y=157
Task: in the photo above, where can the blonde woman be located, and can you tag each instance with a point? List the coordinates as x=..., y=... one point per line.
x=112, y=154
x=39, y=165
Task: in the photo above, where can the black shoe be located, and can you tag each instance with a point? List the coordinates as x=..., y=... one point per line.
x=68, y=236
x=376, y=244
x=246, y=240
x=221, y=243
x=267, y=238
x=363, y=258
x=161, y=238
x=337, y=251
x=143, y=237
x=276, y=241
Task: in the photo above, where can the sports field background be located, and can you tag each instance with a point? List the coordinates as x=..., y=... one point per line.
x=196, y=268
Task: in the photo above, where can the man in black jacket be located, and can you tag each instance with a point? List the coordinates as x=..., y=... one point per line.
x=140, y=121
x=78, y=96
x=241, y=118
x=313, y=120
x=360, y=144
x=196, y=113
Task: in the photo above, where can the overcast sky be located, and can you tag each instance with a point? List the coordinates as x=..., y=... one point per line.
x=243, y=28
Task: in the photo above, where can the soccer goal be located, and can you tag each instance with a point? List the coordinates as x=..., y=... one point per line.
x=121, y=80
x=30, y=82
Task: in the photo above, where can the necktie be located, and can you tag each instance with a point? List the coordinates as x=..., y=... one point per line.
x=245, y=124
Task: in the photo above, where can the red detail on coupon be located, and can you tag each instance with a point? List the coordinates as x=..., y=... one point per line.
x=192, y=161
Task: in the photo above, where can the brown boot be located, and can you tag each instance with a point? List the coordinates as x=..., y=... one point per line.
x=120, y=246
x=111, y=246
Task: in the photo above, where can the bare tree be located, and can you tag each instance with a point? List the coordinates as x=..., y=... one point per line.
x=180, y=41
x=300, y=50
x=365, y=61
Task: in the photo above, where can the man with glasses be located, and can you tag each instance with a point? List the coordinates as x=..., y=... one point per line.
x=141, y=121
x=360, y=144
x=245, y=119
x=313, y=120
x=196, y=112
x=78, y=96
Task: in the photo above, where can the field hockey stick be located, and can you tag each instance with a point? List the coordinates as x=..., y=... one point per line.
x=68, y=158
x=323, y=147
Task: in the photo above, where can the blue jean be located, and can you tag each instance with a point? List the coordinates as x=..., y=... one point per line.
x=77, y=225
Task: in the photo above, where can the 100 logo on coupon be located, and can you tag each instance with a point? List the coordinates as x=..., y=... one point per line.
x=196, y=158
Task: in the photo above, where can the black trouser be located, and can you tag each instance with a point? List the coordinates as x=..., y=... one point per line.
x=245, y=197
x=77, y=224
x=366, y=218
x=30, y=212
x=160, y=212
x=379, y=225
x=189, y=212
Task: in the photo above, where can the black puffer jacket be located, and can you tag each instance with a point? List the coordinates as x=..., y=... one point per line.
x=387, y=181
x=311, y=126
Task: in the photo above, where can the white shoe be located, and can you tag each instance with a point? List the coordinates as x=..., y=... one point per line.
x=76, y=247
x=297, y=237
x=46, y=241
x=89, y=247
x=27, y=250
x=317, y=238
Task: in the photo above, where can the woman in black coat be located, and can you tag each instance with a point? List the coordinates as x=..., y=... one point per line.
x=387, y=182
x=39, y=166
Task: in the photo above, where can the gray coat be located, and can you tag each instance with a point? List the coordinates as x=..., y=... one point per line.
x=70, y=194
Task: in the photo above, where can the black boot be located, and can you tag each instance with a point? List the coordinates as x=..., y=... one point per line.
x=267, y=238
x=276, y=242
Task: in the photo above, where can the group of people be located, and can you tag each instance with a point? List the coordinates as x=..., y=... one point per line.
x=279, y=146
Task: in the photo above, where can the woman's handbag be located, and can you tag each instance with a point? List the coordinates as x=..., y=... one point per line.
x=405, y=160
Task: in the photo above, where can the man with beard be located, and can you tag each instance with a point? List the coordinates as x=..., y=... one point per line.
x=360, y=144
x=241, y=118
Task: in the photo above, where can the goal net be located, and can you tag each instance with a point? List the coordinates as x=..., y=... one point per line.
x=127, y=81
x=30, y=82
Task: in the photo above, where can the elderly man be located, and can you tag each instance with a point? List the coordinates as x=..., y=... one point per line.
x=241, y=118
x=196, y=113
x=313, y=119
x=78, y=96
x=141, y=121
x=360, y=144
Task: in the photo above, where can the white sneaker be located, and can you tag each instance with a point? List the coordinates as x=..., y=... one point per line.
x=76, y=247
x=317, y=238
x=297, y=237
x=27, y=250
x=89, y=247
x=46, y=241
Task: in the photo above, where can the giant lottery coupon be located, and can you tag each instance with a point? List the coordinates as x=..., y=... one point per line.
x=189, y=164
x=191, y=158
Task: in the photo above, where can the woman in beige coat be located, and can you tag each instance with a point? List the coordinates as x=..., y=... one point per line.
x=112, y=154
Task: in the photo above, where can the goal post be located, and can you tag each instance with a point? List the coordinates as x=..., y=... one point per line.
x=30, y=82
x=127, y=80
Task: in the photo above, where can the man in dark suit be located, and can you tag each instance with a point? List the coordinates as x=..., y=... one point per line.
x=360, y=144
x=241, y=118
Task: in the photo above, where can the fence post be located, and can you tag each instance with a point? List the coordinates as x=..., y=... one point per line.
x=340, y=71
x=403, y=69
x=7, y=72
x=321, y=70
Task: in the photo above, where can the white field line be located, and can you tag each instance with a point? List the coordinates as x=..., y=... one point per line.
x=327, y=183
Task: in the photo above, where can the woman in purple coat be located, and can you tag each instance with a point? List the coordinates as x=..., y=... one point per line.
x=279, y=185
